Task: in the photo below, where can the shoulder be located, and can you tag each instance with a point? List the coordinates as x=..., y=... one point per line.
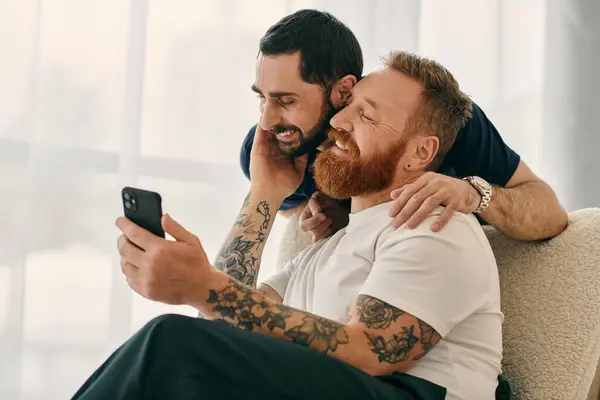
x=315, y=251
x=476, y=128
x=477, y=121
x=480, y=150
x=245, y=151
x=461, y=240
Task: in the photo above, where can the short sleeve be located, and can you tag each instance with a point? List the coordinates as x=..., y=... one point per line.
x=440, y=279
x=479, y=150
x=279, y=281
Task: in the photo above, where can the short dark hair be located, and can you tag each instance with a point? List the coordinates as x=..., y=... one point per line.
x=328, y=48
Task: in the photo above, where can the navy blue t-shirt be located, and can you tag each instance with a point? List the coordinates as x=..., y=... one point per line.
x=478, y=150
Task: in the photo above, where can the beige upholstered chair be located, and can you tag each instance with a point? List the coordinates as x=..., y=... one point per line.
x=551, y=302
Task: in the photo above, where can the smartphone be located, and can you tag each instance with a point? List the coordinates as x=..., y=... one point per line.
x=144, y=208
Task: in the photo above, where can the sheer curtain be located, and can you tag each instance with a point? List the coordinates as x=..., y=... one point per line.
x=96, y=95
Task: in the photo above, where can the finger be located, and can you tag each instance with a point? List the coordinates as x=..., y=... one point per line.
x=137, y=235
x=311, y=223
x=129, y=270
x=263, y=140
x=177, y=231
x=443, y=219
x=305, y=214
x=327, y=203
x=130, y=252
x=259, y=134
x=411, y=205
x=424, y=210
x=135, y=286
x=315, y=207
x=320, y=229
x=323, y=235
x=407, y=192
x=396, y=192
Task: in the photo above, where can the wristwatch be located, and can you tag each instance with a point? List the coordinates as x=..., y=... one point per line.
x=484, y=189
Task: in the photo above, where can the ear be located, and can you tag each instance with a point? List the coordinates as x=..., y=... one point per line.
x=340, y=93
x=421, y=151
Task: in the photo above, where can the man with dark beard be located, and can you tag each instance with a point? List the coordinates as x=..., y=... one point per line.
x=372, y=312
x=307, y=64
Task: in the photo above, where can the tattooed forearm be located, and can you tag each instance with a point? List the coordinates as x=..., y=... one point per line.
x=236, y=260
x=319, y=333
x=378, y=338
x=251, y=310
x=247, y=309
x=375, y=313
x=239, y=257
x=263, y=209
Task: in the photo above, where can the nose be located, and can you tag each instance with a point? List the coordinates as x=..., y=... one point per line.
x=270, y=115
x=341, y=120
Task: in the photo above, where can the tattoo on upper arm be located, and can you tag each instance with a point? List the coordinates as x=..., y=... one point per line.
x=251, y=310
x=238, y=257
x=376, y=314
x=397, y=348
x=429, y=337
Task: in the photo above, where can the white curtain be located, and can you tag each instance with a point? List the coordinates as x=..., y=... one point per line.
x=98, y=94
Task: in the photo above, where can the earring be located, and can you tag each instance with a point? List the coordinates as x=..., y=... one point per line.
x=408, y=166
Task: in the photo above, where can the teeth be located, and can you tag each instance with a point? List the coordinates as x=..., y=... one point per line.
x=284, y=134
x=340, y=145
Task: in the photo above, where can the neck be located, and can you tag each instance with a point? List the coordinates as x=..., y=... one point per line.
x=360, y=203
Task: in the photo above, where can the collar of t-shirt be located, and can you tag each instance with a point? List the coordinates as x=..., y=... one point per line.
x=364, y=217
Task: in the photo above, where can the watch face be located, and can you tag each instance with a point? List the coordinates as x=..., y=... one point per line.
x=481, y=182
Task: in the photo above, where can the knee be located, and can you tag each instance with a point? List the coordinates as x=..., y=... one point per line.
x=168, y=323
x=175, y=325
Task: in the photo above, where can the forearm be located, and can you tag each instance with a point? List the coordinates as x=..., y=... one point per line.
x=240, y=254
x=249, y=309
x=530, y=211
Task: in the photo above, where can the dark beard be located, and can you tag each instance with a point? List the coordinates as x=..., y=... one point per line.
x=315, y=136
x=342, y=177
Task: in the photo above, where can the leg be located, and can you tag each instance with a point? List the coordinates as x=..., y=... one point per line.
x=176, y=357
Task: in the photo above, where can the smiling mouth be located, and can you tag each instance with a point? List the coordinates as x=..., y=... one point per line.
x=286, y=136
x=340, y=146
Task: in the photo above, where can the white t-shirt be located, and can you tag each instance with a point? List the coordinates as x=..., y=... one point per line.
x=447, y=279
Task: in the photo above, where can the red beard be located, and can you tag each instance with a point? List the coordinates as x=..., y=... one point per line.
x=342, y=177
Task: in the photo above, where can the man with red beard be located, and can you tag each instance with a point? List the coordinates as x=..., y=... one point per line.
x=372, y=312
x=307, y=64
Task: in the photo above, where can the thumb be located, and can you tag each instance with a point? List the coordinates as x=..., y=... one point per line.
x=301, y=162
x=177, y=231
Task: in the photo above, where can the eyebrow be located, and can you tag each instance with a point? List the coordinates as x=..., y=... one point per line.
x=273, y=94
x=371, y=102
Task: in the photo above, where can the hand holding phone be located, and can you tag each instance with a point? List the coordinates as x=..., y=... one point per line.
x=144, y=208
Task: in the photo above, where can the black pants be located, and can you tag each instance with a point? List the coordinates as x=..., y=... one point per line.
x=177, y=357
